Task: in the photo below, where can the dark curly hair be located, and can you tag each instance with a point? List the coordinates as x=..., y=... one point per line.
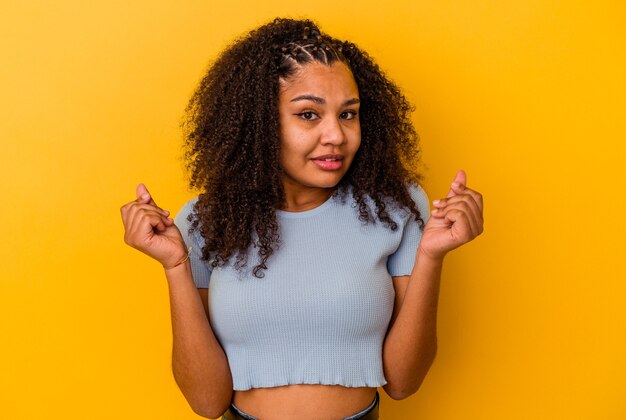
x=231, y=130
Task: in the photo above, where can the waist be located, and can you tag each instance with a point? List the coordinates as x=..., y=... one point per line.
x=304, y=401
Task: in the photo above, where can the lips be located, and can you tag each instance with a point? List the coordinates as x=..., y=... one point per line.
x=329, y=162
x=329, y=157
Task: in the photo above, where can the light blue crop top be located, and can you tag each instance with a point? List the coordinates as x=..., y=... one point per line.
x=320, y=314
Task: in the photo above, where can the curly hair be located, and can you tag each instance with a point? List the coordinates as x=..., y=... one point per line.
x=231, y=130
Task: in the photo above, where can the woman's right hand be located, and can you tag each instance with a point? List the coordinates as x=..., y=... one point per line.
x=148, y=228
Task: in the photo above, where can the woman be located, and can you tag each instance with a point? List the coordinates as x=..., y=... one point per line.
x=305, y=234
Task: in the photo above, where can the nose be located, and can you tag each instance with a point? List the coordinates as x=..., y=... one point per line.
x=332, y=132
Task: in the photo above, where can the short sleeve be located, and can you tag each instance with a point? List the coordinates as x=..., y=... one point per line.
x=401, y=262
x=200, y=269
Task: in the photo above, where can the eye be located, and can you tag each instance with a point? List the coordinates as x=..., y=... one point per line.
x=348, y=115
x=308, y=115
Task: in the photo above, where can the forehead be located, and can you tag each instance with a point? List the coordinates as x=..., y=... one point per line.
x=321, y=80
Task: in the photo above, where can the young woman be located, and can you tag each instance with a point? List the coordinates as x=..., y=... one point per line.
x=297, y=286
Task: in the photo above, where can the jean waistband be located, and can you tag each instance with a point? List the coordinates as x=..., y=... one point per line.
x=368, y=413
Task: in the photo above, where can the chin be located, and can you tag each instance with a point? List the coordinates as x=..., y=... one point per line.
x=324, y=180
x=328, y=183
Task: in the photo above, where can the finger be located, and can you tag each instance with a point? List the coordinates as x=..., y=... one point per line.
x=157, y=220
x=132, y=208
x=465, y=197
x=473, y=216
x=462, y=189
x=468, y=203
x=143, y=195
x=160, y=226
x=437, y=213
x=461, y=226
x=459, y=179
x=140, y=230
x=133, y=218
x=478, y=197
x=144, y=227
x=470, y=217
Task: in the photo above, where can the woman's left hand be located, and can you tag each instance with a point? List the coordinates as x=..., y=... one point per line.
x=455, y=220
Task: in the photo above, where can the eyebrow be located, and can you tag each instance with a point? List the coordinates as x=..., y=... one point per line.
x=322, y=101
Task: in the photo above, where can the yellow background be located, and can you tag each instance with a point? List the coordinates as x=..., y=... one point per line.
x=527, y=96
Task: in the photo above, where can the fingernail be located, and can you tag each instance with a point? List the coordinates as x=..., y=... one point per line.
x=145, y=196
x=436, y=202
x=455, y=185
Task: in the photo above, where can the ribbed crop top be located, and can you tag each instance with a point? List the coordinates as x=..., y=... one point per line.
x=320, y=314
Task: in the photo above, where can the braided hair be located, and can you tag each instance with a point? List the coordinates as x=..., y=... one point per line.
x=231, y=130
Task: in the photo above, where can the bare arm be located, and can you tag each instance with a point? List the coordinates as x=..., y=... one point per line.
x=199, y=364
x=411, y=342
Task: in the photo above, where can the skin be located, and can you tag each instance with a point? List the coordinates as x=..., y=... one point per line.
x=319, y=116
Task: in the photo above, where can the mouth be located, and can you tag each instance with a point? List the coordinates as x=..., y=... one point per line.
x=329, y=158
x=329, y=162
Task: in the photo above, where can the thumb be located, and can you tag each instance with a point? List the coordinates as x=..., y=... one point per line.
x=143, y=195
x=460, y=178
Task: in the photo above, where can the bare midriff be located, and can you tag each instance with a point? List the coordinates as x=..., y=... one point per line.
x=304, y=402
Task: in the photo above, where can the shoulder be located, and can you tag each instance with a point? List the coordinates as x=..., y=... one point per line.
x=419, y=196
x=183, y=214
x=184, y=224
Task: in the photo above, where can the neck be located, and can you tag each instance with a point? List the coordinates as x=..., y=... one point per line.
x=304, y=198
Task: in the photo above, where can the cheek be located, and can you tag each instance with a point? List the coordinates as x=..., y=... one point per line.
x=294, y=144
x=290, y=154
x=356, y=141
